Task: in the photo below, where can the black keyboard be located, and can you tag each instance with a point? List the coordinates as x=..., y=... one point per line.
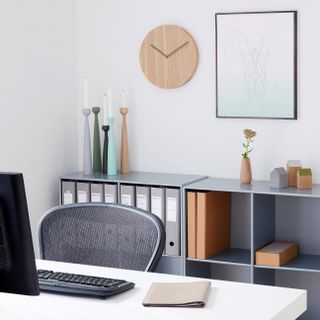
x=61, y=282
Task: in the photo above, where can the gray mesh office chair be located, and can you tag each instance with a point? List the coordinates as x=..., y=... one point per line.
x=108, y=235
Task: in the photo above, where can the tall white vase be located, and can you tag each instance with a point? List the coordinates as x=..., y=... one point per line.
x=87, y=157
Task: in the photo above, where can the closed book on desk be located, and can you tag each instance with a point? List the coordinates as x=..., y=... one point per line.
x=192, y=224
x=178, y=294
x=213, y=223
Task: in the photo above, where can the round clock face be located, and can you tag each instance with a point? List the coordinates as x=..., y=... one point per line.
x=168, y=56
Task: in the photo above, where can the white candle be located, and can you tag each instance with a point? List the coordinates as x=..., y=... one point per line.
x=110, y=105
x=85, y=93
x=123, y=98
x=105, y=110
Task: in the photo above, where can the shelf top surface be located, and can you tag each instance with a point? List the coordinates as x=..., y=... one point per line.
x=138, y=177
x=303, y=262
x=230, y=256
x=256, y=187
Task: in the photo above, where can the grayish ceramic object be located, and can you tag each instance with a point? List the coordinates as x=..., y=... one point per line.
x=279, y=178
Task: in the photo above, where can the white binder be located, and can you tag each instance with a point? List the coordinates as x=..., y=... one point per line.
x=127, y=195
x=157, y=203
x=143, y=198
x=68, y=192
x=96, y=192
x=110, y=193
x=172, y=222
x=83, y=192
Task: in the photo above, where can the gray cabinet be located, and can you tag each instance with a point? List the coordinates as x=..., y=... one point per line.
x=259, y=215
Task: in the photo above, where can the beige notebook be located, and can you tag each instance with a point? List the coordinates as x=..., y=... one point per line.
x=178, y=294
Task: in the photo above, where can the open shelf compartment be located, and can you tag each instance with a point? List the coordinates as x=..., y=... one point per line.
x=289, y=219
x=229, y=272
x=239, y=252
x=303, y=262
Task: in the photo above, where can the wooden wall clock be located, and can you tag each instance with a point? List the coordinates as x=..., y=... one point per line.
x=168, y=56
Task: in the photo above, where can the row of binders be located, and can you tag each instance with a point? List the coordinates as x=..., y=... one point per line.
x=208, y=223
x=161, y=201
x=82, y=192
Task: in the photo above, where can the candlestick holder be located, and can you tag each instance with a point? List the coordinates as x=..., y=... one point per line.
x=96, y=142
x=87, y=160
x=112, y=158
x=124, y=162
x=105, y=150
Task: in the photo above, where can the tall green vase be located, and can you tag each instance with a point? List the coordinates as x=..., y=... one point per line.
x=97, y=164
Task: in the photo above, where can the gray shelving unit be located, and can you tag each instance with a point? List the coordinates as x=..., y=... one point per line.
x=259, y=215
x=167, y=264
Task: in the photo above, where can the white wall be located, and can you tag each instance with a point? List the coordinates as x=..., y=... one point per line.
x=38, y=131
x=47, y=46
x=176, y=130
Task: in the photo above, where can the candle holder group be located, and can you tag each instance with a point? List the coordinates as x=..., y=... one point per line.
x=107, y=163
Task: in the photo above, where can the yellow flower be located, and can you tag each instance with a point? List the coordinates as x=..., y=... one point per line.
x=249, y=134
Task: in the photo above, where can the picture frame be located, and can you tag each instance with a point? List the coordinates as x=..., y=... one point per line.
x=256, y=65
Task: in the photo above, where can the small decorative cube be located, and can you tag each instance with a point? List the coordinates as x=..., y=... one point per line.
x=279, y=178
x=292, y=169
x=304, y=178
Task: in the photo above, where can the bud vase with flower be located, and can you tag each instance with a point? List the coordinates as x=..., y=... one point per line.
x=246, y=172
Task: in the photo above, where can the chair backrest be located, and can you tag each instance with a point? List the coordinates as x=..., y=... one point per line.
x=108, y=235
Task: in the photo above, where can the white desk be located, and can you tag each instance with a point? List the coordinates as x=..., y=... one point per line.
x=227, y=300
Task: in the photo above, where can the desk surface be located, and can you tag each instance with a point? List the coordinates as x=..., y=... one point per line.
x=227, y=300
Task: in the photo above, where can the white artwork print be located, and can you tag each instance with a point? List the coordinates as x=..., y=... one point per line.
x=256, y=65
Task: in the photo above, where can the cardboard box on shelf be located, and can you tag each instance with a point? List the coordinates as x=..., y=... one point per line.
x=276, y=254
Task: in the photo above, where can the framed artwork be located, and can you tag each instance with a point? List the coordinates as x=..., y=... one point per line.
x=256, y=65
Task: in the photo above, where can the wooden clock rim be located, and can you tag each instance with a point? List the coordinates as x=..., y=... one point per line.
x=169, y=25
x=193, y=43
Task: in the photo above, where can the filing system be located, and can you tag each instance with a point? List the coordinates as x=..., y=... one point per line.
x=258, y=215
x=160, y=193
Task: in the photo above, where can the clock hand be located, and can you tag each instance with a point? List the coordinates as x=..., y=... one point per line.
x=174, y=51
x=155, y=48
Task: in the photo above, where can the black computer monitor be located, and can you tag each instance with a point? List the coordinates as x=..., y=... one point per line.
x=17, y=262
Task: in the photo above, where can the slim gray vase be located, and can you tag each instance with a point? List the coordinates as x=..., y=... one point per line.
x=87, y=158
